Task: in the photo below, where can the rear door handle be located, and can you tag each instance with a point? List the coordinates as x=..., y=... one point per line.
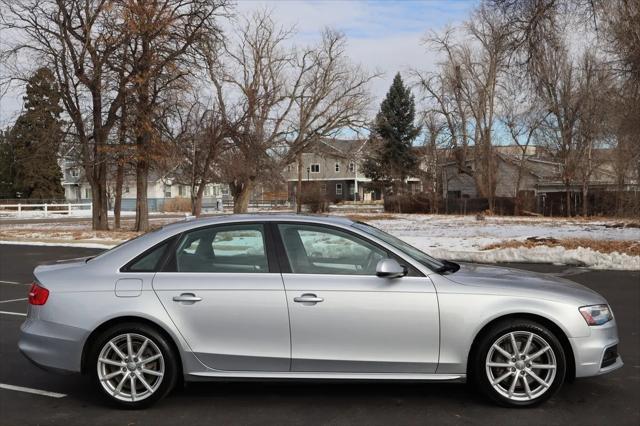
x=187, y=297
x=308, y=298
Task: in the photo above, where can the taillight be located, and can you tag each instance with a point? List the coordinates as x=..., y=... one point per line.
x=38, y=295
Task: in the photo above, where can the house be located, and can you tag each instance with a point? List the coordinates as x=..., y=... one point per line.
x=456, y=183
x=335, y=166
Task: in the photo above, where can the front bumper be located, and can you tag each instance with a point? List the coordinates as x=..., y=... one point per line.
x=593, y=353
x=52, y=346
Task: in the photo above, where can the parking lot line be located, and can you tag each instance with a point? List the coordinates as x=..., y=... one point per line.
x=12, y=282
x=13, y=313
x=31, y=390
x=13, y=300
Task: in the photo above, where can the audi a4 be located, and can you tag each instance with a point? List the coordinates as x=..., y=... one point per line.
x=305, y=297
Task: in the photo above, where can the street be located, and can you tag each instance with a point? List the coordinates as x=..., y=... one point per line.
x=609, y=399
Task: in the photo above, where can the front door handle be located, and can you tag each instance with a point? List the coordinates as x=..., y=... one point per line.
x=187, y=297
x=308, y=298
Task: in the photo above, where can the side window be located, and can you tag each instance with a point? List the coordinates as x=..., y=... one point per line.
x=322, y=250
x=234, y=248
x=149, y=262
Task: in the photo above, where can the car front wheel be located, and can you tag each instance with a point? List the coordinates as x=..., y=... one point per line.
x=134, y=365
x=519, y=363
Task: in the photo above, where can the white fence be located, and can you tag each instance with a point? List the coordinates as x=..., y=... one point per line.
x=46, y=209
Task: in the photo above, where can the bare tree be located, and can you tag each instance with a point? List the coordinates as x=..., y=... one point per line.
x=198, y=136
x=467, y=88
x=77, y=40
x=434, y=125
x=164, y=36
x=330, y=95
x=251, y=80
x=522, y=115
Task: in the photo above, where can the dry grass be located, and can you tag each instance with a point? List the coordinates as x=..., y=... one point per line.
x=177, y=205
x=362, y=217
x=52, y=235
x=629, y=247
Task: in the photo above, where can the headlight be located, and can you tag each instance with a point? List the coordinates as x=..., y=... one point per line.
x=596, y=314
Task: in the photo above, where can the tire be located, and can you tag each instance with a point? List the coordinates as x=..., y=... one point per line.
x=115, y=372
x=494, y=374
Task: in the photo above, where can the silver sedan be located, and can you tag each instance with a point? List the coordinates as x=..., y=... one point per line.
x=295, y=297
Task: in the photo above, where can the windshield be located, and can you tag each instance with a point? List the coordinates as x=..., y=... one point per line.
x=408, y=249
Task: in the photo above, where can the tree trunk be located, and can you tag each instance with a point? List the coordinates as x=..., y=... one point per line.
x=142, y=206
x=241, y=197
x=299, y=183
x=117, y=205
x=100, y=204
x=585, y=199
x=567, y=213
x=196, y=204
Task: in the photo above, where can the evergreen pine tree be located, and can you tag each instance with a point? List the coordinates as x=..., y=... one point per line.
x=393, y=159
x=36, y=137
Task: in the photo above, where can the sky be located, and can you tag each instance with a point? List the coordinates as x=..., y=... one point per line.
x=382, y=36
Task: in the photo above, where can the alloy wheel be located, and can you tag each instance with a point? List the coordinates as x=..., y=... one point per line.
x=521, y=366
x=130, y=367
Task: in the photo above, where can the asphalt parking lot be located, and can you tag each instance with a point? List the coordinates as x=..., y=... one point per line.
x=71, y=400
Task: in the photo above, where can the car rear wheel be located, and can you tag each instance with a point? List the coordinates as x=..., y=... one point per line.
x=519, y=363
x=134, y=365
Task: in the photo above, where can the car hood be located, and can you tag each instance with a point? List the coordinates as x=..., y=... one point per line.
x=500, y=280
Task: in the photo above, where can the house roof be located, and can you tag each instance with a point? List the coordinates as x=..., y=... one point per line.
x=339, y=147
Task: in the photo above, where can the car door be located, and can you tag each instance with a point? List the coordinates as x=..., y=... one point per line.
x=225, y=295
x=343, y=317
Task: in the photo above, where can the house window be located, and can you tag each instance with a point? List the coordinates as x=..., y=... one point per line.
x=337, y=167
x=315, y=168
x=352, y=167
x=352, y=189
x=323, y=188
x=182, y=190
x=207, y=191
x=338, y=189
x=167, y=191
x=126, y=189
x=225, y=190
x=87, y=193
x=75, y=173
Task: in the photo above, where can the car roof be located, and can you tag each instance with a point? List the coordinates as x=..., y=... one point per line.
x=266, y=217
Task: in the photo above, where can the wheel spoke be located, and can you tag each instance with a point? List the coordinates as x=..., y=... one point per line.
x=538, y=379
x=539, y=353
x=151, y=372
x=514, y=345
x=142, y=348
x=514, y=383
x=117, y=350
x=110, y=375
x=111, y=362
x=542, y=366
x=145, y=383
x=132, y=383
x=119, y=387
x=525, y=351
x=527, y=389
x=151, y=358
x=499, y=364
x=502, y=351
x=501, y=378
x=129, y=346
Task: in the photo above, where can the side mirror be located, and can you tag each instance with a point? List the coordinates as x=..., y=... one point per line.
x=390, y=268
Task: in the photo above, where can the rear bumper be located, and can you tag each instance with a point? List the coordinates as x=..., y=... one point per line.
x=52, y=346
x=593, y=353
